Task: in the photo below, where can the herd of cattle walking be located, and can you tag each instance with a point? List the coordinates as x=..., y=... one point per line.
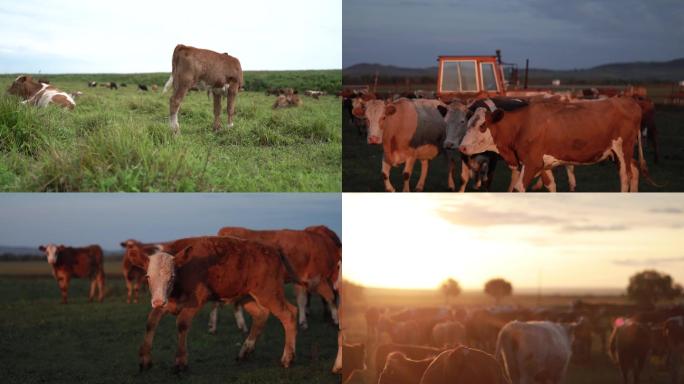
x=193, y=69
x=503, y=345
x=243, y=267
x=532, y=134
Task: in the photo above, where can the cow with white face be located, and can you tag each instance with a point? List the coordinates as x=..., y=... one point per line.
x=161, y=274
x=374, y=112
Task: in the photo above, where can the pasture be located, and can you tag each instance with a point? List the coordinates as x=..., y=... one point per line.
x=44, y=341
x=119, y=140
x=599, y=370
x=362, y=164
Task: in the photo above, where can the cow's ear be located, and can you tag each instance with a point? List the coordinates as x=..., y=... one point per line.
x=442, y=110
x=390, y=110
x=359, y=112
x=182, y=257
x=41, y=248
x=497, y=115
x=123, y=244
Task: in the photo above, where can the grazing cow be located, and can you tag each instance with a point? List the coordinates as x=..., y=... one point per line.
x=134, y=276
x=674, y=333
x=399, y=369
x=112, y=85
x=408, y=130
x=191, y=65
x=315, y=257
x=541, y=135
x=92, y=84
x=283, y=101
x=414, y=352
x=630, y=344
x=142, y=87
x=68, y=262
x=535, y=351
x=464, y=365
x=38, y=94
x=188, y=272
x=353, y=358
x=448, y=334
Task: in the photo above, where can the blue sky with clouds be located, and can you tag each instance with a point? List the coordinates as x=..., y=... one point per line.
x=107, y=219
x=79, y=36
x=552, y=34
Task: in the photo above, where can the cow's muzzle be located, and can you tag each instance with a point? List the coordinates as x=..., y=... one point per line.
x=158, y=303
x=374, y=140
x=449, y=145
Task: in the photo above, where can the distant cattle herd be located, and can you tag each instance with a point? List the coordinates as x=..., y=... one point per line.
x=503, y=344
x=243, y=267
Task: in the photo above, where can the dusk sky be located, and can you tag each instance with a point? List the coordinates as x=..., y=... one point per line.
x=552, y=34
x=107, y=219
x=557, y=240
x=79, y=36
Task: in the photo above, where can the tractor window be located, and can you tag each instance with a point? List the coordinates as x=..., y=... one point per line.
x=459, y=76
x=488, y=77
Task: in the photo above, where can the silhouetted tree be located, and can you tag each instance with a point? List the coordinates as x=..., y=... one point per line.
x=450, y=288
x=498, y=288
x=651, y=286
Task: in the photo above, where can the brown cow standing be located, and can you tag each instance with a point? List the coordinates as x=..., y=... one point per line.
x=188, y=272
x=219, y=71
x=133, y=275
x=39, y=94
x=630, y=344
x=68, y=262
x=464, y=365
x=315, y=257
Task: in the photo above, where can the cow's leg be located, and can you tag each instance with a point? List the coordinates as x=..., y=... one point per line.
x=129, y=288
x=572, y=182
x=465, y=175
x=527, y=173
x=183, y=322
x=63, y=282
x=337, y=367
x=301, y=294
x=213, y=317
x=152, y=322
x=634, y=178
x=136, y=289
x=100, y=285
x=325, y=290
x=386, y=167
x=180, y=89
x=240, y=318
x=217, y=111
x=515, y=175
x=622, y=166
x=452, y=169
x=408, y=169
x=286, y=313
x=259, y=316
x=93, y=284
x=423, y=175
x=548, y=180
x=232, y=97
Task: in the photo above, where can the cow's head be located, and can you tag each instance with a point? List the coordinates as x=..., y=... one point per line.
x=455, y=116
x=137, y=253
x=375, y=112
x=161, y=273
x=51, y=251
x=22, y=86
x=478, y=137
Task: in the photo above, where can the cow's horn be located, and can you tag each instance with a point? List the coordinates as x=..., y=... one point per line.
x=490, y=104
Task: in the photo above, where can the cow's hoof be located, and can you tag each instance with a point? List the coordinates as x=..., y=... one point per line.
x=145, y=365
x=452, y=189
x=419, y=189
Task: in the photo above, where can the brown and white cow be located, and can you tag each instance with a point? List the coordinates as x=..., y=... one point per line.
x=629, y=347
x=400, y=369
x=315, y=253
x=545, y=134
x=134, y=276
x=465, y=365
x=188, y=272
x=408, y=130
x=39, y=94
x=218, y=70
x=68, y=262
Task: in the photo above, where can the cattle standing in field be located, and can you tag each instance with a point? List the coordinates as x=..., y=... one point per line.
x=39, y=94
x=68, y=262
x=133, y=275
x=191, y=65
x=142, y=87
x=188, y=272
x=630, y=345
x=408, y=130
x=464, y=365
x=315, y=253
x=535, y=351
x=399, y=369
x=545, y=134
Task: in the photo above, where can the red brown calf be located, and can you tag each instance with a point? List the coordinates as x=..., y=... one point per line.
x=134, y=276
x=68, y=262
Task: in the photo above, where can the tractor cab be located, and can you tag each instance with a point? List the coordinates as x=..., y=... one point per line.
x=467, y=76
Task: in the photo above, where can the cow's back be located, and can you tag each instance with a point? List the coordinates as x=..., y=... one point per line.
x=464, y=365
x=215, y=69
x=430, y=125
x=80, y=262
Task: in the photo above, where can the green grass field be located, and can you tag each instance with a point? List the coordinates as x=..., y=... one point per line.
x=362, y=164
x=44, y=341
x=600, y=370
x=119, y=140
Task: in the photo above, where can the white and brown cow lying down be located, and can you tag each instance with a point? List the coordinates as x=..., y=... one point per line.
x=408, y=130
x=191, y=66
x=547, y=133
x=39, y=94
x=68, y=262
x=187, y=273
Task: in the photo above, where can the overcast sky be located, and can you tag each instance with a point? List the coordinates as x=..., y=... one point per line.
x=77, y=36
x=557, y=240
x=107, y=219
x=552, y=34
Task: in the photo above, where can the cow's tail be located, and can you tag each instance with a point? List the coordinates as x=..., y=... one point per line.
x=293, y=277
x=612, y=347
x=169, y=84
x=643, y=169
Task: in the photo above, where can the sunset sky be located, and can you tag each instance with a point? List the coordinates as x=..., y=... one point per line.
x=555, y=241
